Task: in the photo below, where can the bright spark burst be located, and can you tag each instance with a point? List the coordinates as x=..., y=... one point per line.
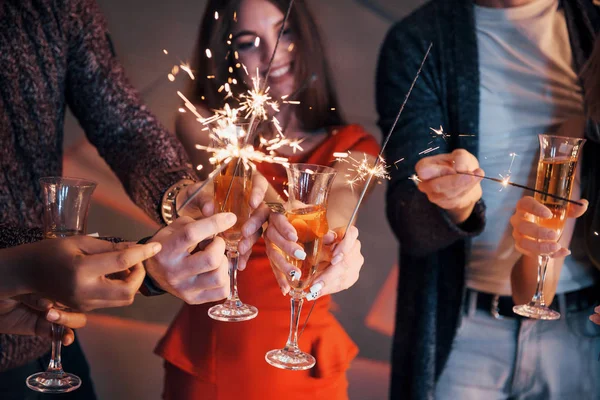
x=506, y=177
x=362, y=169
x=440, y=133
x=415, y=179
x=255, y=102
x=229, y=139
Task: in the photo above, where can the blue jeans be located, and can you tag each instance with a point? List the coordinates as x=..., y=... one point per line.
x=523, y=359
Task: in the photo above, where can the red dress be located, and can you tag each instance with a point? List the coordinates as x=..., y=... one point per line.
x=208, y=359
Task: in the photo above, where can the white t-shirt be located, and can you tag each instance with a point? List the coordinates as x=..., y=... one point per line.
x=528, y=86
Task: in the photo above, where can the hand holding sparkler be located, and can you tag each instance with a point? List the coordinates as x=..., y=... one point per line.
x=194, y=277
x=452, y=182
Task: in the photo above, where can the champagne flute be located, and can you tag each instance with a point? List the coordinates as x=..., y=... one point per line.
x=555, y=175
x=66, y=204
x=309, y=186
x=233, y=186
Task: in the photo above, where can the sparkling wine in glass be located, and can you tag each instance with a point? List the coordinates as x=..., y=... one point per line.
x=555, y=175
x=309, y=186
x=232, y=194
x=66, y=203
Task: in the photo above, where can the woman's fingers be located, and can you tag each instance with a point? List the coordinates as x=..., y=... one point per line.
x=279, y=260
x=276, y=237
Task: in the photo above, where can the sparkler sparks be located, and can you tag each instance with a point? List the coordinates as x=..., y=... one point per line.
x=415, y=179
x=506, y=177
x=361, y=170
x=440, y=132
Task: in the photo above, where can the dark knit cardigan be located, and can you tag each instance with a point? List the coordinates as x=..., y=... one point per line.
x=55, y=53
x=433, y=250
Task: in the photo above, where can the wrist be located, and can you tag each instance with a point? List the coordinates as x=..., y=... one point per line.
x=149, y=286
x=172, y=199
x=461, y=215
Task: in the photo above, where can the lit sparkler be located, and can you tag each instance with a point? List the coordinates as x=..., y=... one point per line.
x=361, y=169
x=506, y=183
x=377, y=161
x=387, y=139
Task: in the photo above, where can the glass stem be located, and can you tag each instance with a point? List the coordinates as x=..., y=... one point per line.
x=233, y=256
x=296, y=304
x=55, y=364
x=538, y=297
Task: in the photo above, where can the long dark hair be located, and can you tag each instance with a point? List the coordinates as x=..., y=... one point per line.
x=318, y=107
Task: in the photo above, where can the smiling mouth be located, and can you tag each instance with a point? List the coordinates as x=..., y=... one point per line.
x=279, y=71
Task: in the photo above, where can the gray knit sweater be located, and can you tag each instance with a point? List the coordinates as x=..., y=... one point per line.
x=55, y=53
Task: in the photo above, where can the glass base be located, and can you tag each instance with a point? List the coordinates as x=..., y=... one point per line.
x=293, y=360
x=53, y=382
x=536, y=312
x=232, y=313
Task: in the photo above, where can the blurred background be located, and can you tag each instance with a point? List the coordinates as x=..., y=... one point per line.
x=353, y=31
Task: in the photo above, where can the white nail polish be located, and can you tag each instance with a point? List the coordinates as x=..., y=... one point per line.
x=316, y=288
x=311, y=296
x=295, y=275
x=300, y=255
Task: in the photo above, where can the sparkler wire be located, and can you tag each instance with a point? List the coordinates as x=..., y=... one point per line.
x=504, y=182
x=206, y=182
x=250, y=128
x=377, y=161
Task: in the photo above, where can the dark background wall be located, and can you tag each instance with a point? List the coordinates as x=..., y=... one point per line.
x=353, y=32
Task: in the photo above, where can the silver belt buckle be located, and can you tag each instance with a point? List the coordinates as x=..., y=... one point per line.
x=495, y=307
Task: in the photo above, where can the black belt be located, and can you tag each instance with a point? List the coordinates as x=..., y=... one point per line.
x=501, y=306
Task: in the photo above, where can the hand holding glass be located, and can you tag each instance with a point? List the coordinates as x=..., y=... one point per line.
x=555, y=175
x=66, y=203
x=309, y=186
x=233, y=187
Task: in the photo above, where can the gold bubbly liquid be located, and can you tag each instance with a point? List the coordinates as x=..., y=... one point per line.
x=238, y=201
x=311, y=225
x=555, y=176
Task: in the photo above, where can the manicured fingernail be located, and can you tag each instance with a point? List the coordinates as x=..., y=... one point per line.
x=295, y=275
x=312, y=296
x=337, y=259
x=300, y=255
x=52, y=315
x=292, y=237
x=597, y=309
x=283, y=290
x=316, y=288
x=335, y=235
